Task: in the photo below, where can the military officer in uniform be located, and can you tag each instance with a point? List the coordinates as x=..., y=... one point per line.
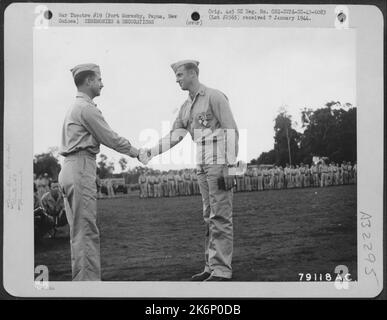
x=341, y=173
x=287, y=176
x=265, y=175
x=302, y=176
x=254, y=179
x=110, y=189
x=260, y=179
x=330, y=174
x=271, y=178
x=187, y=183
x=164, y=185
x=298, y=177
x=293, y=174
x=53, y=203
x=171, y=184
x=157, y=185
x=307, y=176
x=276, y=177
x=207, y=116
x=324, y=174
x=84, y=129
x=191, y=182
x=98, y=183
x=179, y=183
x=333, y=174
x=281, y=178
x=247, y=179
x=195, y=183
x=314, y=169
x=42, y=185
x=142, y=180
x=345, y=172
x=350, y=172
x=337, y=174
x=151, y=185
x=355, y=173
x=240, y=183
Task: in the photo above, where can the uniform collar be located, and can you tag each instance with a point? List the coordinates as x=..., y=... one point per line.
x=84, y=96
x=201, y=92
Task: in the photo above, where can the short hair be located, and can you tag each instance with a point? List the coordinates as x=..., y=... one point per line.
x=192, y=66
x=81, y=77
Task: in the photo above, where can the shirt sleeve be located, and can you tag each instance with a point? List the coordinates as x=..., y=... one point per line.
x=177, y=133
x=222, y=111
x=43, y=203
x=95, y=123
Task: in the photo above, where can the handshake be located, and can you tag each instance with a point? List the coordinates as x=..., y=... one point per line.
x=144, y=155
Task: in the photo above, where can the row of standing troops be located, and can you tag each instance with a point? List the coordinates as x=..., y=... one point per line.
x=168, y=184
x=185, y=183
x=299, y=176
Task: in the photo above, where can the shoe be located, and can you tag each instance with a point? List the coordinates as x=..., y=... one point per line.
x=201, y=276
x=216, y=278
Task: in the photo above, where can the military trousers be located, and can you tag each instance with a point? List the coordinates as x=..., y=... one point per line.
x=195, y=187
x=171, y=188
x=77, y=180
x=217, y=214
x=316, y=180
x=324, y=179
x=143, y=190
x=248, y=183
x=164, y=187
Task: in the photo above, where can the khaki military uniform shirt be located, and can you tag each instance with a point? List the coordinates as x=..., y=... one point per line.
x=206, y=117
x=52, y=206
x=85, y=128
x=142, y=179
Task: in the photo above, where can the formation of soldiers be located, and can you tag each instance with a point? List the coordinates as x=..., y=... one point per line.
x=297, y=176
x=184, y=182
x=168, y=184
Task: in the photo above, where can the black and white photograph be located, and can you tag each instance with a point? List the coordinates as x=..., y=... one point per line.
x=175, y=154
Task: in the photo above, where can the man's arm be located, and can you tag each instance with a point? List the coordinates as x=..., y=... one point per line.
x=176, y=134
x=222, y=111
x=95, y=123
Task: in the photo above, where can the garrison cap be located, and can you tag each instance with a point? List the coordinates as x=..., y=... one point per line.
x=85, y=67
x=178, y=64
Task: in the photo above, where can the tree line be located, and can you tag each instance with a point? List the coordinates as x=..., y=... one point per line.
x=48, y=162
x=329, y=131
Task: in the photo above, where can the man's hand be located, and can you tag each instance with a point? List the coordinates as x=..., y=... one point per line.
x=144, y=156
x=228, y=180
x=237, y=169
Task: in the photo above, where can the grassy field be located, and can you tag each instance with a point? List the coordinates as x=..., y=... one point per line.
x=277, y=235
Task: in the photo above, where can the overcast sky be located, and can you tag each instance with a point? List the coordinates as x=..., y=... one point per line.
x=259, y=69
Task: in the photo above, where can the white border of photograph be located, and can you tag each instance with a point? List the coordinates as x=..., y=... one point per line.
x=18, y=255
